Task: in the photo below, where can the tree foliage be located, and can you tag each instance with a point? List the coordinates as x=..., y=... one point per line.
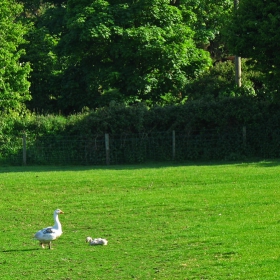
x=14, y=87
x=143, y=49
x=88, y=53
x=45, y=20
x=254, y=32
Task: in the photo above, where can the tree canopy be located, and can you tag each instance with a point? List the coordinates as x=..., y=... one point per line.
x=143, y=49
x=14, y=86
x=88, y=53
x=254, y=32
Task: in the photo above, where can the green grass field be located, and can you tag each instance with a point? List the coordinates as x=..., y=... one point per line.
x=200, y=221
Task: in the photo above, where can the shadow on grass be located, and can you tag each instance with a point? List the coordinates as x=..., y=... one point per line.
x=150, y=165
x=19, y=250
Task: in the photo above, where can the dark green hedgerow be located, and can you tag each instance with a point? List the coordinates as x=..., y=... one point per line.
x=204, y=130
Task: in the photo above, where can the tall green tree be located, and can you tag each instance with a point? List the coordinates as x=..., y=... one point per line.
x=144, y=49
x=14, y=86
x=45, y=21
x=208, y=20
x=254, y=32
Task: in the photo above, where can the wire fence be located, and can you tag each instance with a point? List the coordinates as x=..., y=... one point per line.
x=107, y=149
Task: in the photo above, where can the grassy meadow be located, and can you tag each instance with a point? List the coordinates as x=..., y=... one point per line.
x=162, y=221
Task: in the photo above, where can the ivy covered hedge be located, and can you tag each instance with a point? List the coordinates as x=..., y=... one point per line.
x=204, y=130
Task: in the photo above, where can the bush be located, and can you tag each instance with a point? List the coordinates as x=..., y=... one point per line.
x=204, y=130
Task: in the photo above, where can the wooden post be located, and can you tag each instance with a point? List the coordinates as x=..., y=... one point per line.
x=244, y=134
x=173, y=145
x=238, y=70
x=107, y=149
x=24, y=149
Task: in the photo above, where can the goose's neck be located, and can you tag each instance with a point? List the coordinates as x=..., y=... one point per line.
x=57, y=224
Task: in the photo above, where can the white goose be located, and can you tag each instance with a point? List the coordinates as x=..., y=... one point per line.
x=47, y=235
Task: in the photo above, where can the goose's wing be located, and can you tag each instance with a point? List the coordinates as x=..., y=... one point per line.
x=48, y=230
x=46, y=234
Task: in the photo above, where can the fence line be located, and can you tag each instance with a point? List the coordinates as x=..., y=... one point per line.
x=215, y=144
x=134, y=148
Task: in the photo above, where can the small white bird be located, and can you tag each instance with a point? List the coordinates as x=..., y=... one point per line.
x=96, y=241
x=47, y=235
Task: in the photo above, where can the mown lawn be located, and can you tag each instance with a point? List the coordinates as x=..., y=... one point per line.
x=193, y=221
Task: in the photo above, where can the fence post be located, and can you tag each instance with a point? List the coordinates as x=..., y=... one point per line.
x=107, y=148
x=24, y=149
x=244, y=134
x=173, y=144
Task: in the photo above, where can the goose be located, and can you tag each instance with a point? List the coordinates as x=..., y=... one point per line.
x=96, y=241
x=47, y=235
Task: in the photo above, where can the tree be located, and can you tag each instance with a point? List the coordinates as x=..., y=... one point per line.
x=45, y=69
x=144, y=49
x=209, y=17
x=254, y=32
x=46, y=20
x=14, y=86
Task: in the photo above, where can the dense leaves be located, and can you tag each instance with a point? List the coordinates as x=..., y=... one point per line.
x=144, y=49
x=204, y=130
x=96, y=58
x=88, y=54
x=254, y=32
x=14, y=87
x=209, y=17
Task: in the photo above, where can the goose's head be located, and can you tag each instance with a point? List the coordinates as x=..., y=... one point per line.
x=88, y=239
x=58, y=211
